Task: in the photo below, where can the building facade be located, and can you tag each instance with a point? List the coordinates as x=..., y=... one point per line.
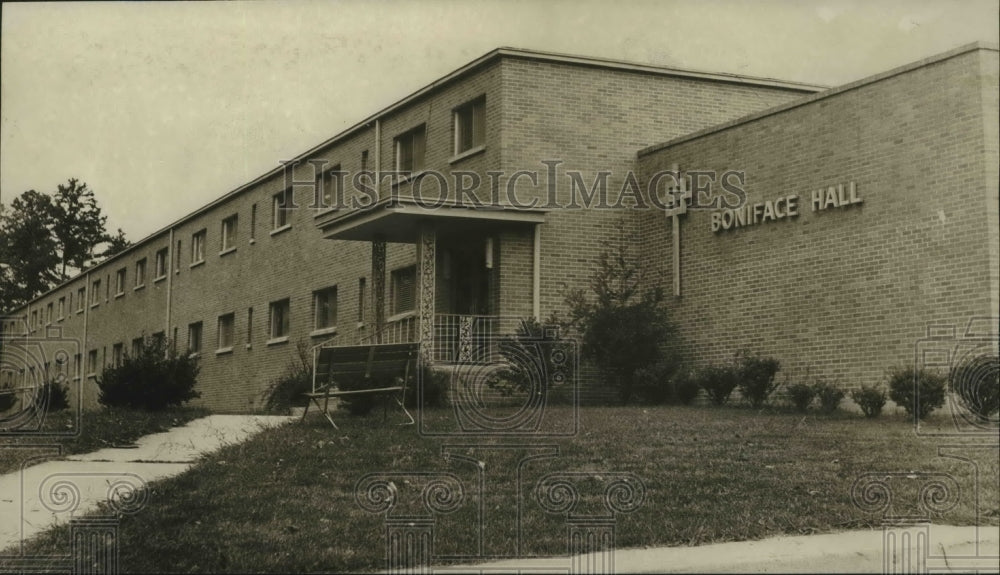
x=477, y=200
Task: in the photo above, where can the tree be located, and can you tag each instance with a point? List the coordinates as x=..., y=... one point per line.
x=46, y=239
x=116, y=244
x=28, y=257
x=78, y=225
x=624, y=328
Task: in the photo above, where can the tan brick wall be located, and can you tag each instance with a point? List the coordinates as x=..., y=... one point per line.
x=847, y=292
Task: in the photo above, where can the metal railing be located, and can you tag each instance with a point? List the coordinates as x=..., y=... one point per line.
x=470, y=338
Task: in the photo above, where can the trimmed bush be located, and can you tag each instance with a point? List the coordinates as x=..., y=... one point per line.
x=871, y=400
x=976, y=383
x=7, y=397
x=918, y=392
x=435, y=384
x=684, y=387
x=756, y=377
x=801, y=395
x=154, y=379
x=829, y=396
x=57, y=394
x=718, y=381
x=666, y=383
x=289, y=389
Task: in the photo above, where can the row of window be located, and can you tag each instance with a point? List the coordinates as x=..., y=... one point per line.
x=469, y=134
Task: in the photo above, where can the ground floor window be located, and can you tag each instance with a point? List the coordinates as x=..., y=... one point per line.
x=404, y=289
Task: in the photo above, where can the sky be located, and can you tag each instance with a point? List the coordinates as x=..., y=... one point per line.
x=163, y=107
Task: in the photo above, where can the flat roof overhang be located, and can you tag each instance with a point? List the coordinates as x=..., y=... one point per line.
x=398, y=219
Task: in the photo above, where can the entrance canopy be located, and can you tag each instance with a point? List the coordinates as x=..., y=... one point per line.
x=398, y=219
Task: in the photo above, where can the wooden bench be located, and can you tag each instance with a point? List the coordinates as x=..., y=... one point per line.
x=365, y=362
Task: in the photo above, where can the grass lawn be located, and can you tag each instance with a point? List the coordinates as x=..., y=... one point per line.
x=285, y=500
x=98, y=429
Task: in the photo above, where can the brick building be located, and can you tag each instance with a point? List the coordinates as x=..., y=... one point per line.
x=474, y=201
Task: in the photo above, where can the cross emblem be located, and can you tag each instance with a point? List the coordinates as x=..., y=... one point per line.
x=678, y=207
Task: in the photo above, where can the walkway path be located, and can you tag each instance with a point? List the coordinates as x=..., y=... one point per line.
x=53, y=492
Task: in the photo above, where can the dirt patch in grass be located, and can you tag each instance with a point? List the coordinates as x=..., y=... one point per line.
x=285, y=501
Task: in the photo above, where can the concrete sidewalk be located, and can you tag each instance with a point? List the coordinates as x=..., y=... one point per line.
x=52, y=493
x=949, y=549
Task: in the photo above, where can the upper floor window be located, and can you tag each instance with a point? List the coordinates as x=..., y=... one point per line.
x=120, y=282
x=281, y=205
x=116, y=354
x=161, y=263
x=325, y=308
x=62, y=307
x=48, y=314
x=140, y=273
x=95, y=293
x=410, y=150
x=80, y=296
x=229, y=226
x=330, y=184
x=198, y=247
x=136, y=347
x=404, y=289
x=470, y=125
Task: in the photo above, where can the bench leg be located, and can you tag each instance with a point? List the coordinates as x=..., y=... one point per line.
x=326, y=411
x=403, y=407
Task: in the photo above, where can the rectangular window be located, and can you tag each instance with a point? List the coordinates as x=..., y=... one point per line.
x=362, y=299
x=161, y=263
x=116, y=354
x=329, y=184
x=77, y=365
x=280, y=206
x=253, y=222
x=470, y=125
x=120, y=282
x=159, y=338
x=194, y=338
x=95, y=295
x=364, y=161
x=249, y=325
x=92, y=362
x=410, y=151
x=229, y=232
x=81, y=296
x=107, y=288
x=140, y=273
x=177, y=264
x=34, y=320
x=48, y=314
x=62, y=307
x=325, y=308
x=226, y=323
x=198, y=247
x=278, y=319
x=136, y=346
x=404, y=289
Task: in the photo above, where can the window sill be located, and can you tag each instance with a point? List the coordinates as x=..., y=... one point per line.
x=325, y=212
x=361, y=325
x=93, y=305
x=401, y=316
x=249, y=346
x=120, y=294
x=323, y=331
x=283, y=228
x=227, y=251
x=224, y=350
x=79, y=311
x=194, y=355
x=91, y=376
x=159, y=279
x=252, y=241
x=468, y=153
x=139, y=287
x=196, y=264
x=277, y=340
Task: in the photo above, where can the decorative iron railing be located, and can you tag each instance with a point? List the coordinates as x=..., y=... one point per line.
x=470, y=338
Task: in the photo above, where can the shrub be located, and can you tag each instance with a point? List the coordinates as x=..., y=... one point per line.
x=976, y=382
x=154, y=379
x=829, y=396
x=756, y=377
x=685, y=388
x=57, y=396
x=871, y=400
x=718, y=381
x=801, y=395
x=289, y=389
x=665, y=382
x=435, y=388
x=7, y=397
x=929, y=386
x=529, y=344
